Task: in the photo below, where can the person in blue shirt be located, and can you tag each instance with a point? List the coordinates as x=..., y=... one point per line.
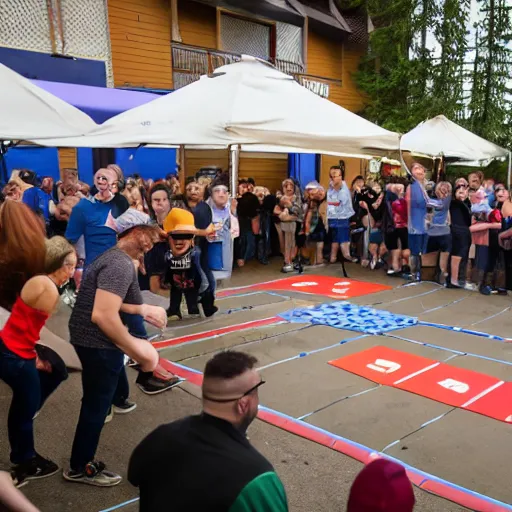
x=89, y=216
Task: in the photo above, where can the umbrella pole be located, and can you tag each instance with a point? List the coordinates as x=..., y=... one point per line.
x=235, y=161
x=509, y=175
x=180, y=160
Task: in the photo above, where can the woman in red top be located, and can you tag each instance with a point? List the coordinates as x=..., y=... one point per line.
x=31, y=270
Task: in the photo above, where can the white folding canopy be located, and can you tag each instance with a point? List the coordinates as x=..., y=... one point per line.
x=249, y=102
x=440, y=136
x=28, y=112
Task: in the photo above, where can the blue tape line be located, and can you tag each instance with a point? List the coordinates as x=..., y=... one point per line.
x=456, y=352
x=461, y=329
x=336, y=437
x=116, y=507
x=304, y=354
x=428, y=476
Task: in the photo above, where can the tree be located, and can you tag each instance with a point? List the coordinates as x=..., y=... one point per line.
x=420, y=64
x=490, y=106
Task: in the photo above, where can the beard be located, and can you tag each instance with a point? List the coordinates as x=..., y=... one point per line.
x=247, y=420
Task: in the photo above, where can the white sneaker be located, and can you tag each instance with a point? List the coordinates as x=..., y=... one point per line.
x=94, y=474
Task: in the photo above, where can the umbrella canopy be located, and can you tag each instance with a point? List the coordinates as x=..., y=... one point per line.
x=248, y=102
x=100, y=103
x=440, y=136
x=29, y=112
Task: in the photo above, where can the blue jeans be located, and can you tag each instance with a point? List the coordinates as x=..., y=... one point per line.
x=30, y=389
x=101, y=373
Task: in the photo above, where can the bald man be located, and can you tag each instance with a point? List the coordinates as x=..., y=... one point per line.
x=205, y=462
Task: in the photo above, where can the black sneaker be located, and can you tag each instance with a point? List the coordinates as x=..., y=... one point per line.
x=94, y=474
x=125, y=407
x=17, y=481
x=152, y=385
x=35, y=469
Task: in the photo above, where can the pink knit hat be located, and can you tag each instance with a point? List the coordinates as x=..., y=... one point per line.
x=382, y=486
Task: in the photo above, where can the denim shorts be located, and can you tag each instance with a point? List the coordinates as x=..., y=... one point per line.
x=340, y=230
x=418, y=243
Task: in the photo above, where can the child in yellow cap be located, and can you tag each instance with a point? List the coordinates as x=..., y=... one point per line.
x=184, y=272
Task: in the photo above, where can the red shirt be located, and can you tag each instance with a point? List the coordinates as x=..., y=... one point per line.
x=22, y=329
x=400, y=215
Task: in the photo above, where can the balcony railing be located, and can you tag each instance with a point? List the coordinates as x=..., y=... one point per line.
x=190, y=62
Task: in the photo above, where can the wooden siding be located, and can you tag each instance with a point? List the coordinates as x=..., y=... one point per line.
x=140, y=38
x=353, y=167
x=332, y=59
x=195, y=159
x=67, y=158
x=324, y=56
x=198, y=24
x=267, y=171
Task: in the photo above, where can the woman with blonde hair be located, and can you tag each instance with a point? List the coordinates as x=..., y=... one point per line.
x=31, y=271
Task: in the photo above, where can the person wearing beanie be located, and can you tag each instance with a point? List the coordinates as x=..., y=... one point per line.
x=382, y=486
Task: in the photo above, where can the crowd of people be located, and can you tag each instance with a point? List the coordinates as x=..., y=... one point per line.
x=397, y=224
x=120, y=237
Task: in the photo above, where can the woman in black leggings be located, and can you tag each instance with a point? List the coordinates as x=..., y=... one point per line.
x=461, y=236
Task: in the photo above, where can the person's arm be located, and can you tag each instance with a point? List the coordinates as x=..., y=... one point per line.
x=105, y=314
x=307, y=221
x=155, y=315
x=10, y=498
x=41, y=294
x=483, y=226
x=506, y=234
x=76, y=225
x=265, y=492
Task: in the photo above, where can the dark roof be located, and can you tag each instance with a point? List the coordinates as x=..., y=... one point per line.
x=323, y=15
x=278, y=10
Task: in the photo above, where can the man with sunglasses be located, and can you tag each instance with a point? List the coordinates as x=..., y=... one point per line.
x=205, y=462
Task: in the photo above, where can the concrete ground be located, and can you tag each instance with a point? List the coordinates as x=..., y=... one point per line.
x=461, y=447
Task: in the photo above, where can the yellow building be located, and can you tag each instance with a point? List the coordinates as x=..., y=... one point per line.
x=166, y=44
x=169, y=44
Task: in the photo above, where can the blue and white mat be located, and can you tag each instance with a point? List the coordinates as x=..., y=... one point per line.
x=351, y=317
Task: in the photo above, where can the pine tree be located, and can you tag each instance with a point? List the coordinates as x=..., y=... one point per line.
x=490, y=106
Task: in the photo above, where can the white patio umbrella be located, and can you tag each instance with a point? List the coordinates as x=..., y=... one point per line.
x=28, y=112
x=249, y=102
x=440, y=136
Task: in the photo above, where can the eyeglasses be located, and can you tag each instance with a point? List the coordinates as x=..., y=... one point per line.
x=227, y=400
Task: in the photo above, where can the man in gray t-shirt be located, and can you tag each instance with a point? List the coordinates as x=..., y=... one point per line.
x=109, y=286
x=113, y=272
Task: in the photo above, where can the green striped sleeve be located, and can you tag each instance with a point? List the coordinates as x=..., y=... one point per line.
x=263, y=494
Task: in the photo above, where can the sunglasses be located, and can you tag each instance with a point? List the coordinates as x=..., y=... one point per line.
x=181, y=236
x=227, y=400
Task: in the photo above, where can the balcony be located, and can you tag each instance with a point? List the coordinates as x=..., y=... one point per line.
x=190, y=62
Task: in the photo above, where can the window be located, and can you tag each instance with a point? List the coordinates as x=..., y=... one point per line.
x=240, y=35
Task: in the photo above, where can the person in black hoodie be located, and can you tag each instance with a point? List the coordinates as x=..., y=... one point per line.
x=460, y=215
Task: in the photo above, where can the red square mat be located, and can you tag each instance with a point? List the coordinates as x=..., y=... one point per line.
x=497, y=404
x=449, y=385
x=333, y=287
x=382, y=364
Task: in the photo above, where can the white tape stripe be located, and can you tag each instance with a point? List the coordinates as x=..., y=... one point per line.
x=483, y=393
x=419, y=372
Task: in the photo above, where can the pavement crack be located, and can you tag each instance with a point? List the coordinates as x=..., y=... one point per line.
x=421, y=427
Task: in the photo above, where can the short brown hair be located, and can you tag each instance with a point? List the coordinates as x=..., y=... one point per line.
x=229, y=364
